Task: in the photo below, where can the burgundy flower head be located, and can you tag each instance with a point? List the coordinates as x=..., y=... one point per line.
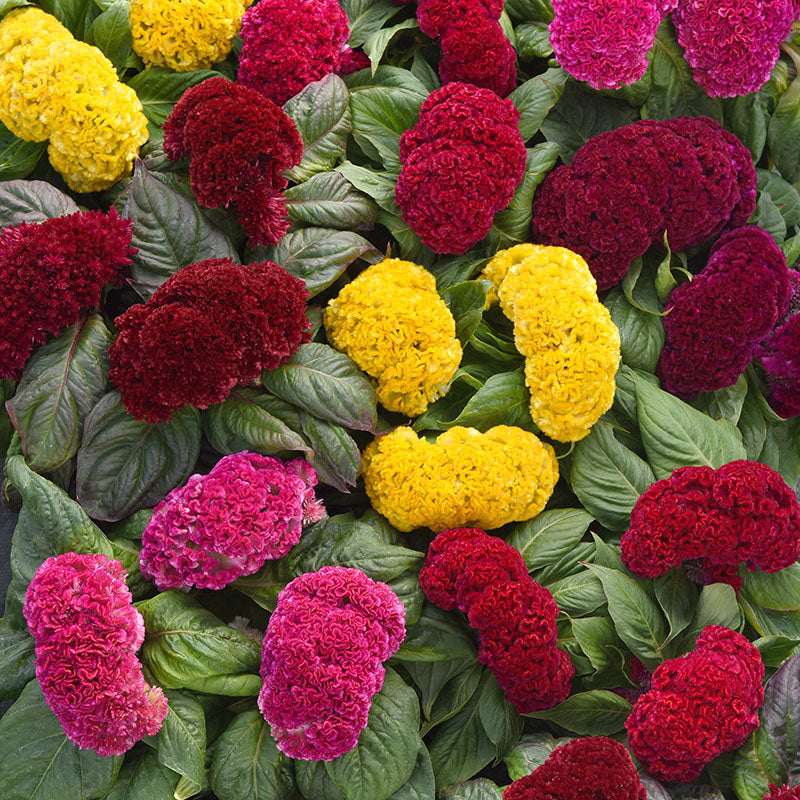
x=782, y=793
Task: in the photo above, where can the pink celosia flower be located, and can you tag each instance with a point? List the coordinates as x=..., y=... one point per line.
x=782, y=793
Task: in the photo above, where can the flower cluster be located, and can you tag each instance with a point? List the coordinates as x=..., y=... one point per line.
x=700, y=706
x=782, y=793
x=226, y=524
x=287, y=44
x=322, y=659
x=240, y=143
x=461, y=164
x=87, y=633
x=596, y=768
x=463, y=478
x=570, y=344
x=515, y=617
x=54, y=87
x=741, y=512
x=210, y=326
x=392, y=322
x=185, y=35
x=625, y=188
x=52, y=272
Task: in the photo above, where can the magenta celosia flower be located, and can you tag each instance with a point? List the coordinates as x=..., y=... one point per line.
x=322, y=659
x=87, y=633
x=352, y=61
x=51, y=273
x=782, y=793
x=220, y=526
x=436, y=16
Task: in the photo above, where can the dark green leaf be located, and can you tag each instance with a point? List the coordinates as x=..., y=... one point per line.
x=437, y=636
x=499, y=719
x=677, y=596
x=502, y=400
x=330, y=201
x=784, y=146
x=747, y=117
x=479, y=789
x=445, y=686
x=378, y=185
x=334, y=453
x=181, y=742
x=375, y=46
x=779, y=591
x=715, y=606
x=595, y=713
x=550, y=535
x=783, y=194
x=127, y=552
x=142, y=777
x=641, y=334
x=32, y=201
x=17, y=157
x=539, y=10
x=17, y=664
x=776, y=649
x=367, y=17
x=534, y=99
x=597, y=637
x=768, y=216
x=533, y=41
x=111, y=33
x=530, y=752
x=581, y=593
x=466, y=302
x=727, y=403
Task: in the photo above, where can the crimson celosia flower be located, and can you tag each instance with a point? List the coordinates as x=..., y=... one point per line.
x=322, y=659
x=700, y=705
x=436, y=16
x=515, y=617
x=596, y=768
x=210, y=326
x=87, y=633
x=782, y=793
x=741, y=512
x=52, y=272
x=352, y=61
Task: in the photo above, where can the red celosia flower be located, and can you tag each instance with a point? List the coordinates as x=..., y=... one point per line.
x=596, y=768
x=322, y=659
x=352, y=61
x=52, y=272
x=701, y=705
x=87, y=633
x=782, y=793
x=435, y=16
x=515, y=617
x=210, y=326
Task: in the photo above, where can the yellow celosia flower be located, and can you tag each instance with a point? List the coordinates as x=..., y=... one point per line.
x=570, y=344
x=464, y=479
x=392, y=322
x=185, y=34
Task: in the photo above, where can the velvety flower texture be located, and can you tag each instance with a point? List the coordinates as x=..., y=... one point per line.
x=465, y=477
x=220, y=526
x=392, y=322
x=700, y=706
x=515, y=617
x=782, y=793
x=240, y=143
x=595, y=768
x=87, y=633
x=717, y=320
x=461, y=164
x=741, y=512
x=570, y=344
x=322, y=660
x=210, y=326
x=52, y=272
x=625, y=188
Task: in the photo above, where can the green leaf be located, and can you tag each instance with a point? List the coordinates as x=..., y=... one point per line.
x=17, y=662
x=641, y=334
x=181, y=742
x=479, y=789
x=111, y=33
x=466, y=302
x=7, y=389
x=125, y=464
x=597, y=637
x=367, y=17
x=375, y=46
x=533, y=41
x=580, y=593
x=538, y=10
x=677, y=596
x=502, y=400
x=783, y=194
x=776, y=649
x=334, y=453
x=445, y=687
x=17, y=157
x=784, y=146
x=499, y=719
x=329, y=200
x=32, y=201
x=530, y=752
x=751, y=423
x=437, y=636
x=142, y=777
x=409, y=593
x=779, y=591
x=378, y=185
x=595, y=713
x=747, y=117
x=421, y=784
x=716, y=606
x=127, y=551
x=534, y=99
x=549, y=536
x=768, y=216
x=727, y=403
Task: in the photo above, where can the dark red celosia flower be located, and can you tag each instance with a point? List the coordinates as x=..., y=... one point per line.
x=596, y=768
x=515, y=617
x=287, y=44
x=210, y=326
x=782, y=793
x=741, y=512
x=352, y=61
x=240, y=143
x=52, y=273
x=717, y=320
x=701, y=705
x=435, y=16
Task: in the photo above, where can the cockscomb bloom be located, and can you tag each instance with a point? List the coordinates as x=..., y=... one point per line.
x=322, y=660
x=625, y=188
x=210, y=326
x=595, y=768
x=184, y=35
x=52, y=272
x=782, y=793
x=732, y=45
x=226, y=524
x=87, y=633
x=392, y=322
x=240, y=143
x=741, y=512
x=700, y=706
x=515, y=617
x=570, y=344
x=461, y=164
x=287, y=44
x=54, y=87
x=464, y=478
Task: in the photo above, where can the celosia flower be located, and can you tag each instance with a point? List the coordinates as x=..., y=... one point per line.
x=392, y=322
x=210, y=326
x=436, y=16
x=322, y=659
x=597, y=768
x=221, y=526
x=782, y=793
x=701, y=705
x=240, y=143
x=87, y=633
x=515, y=617
x=52, y=272
x=464, y=478
x=288, y=44
x=570, y=344
x=741, y=512
x=352, y=61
